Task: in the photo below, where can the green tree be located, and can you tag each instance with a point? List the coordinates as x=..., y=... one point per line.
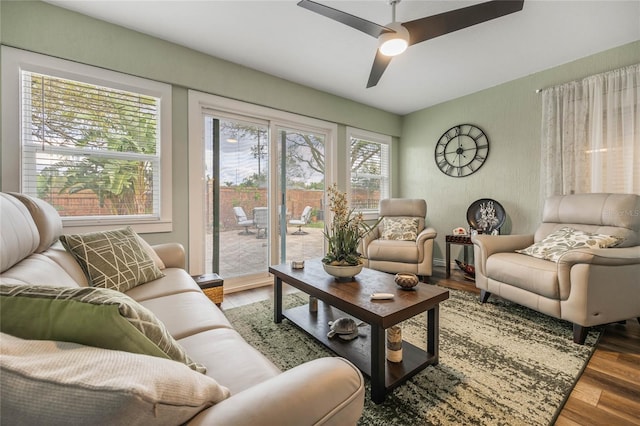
x=106, y=130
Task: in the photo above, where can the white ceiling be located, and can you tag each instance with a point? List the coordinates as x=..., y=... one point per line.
x=282, y=39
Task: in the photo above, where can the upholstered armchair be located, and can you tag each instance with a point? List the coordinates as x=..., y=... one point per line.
x=564, y=270
x=400, y=242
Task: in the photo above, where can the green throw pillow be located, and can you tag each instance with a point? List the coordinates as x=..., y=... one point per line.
x=89, y=316
x=112, y=259
x=400, y=228
x=566, y=238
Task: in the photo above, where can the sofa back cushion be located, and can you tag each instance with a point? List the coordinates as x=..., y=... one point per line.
x=38, y=269
x=609, y=214
x=90, y=316
x=46, y=218
x=66, y=383
x=18, y=232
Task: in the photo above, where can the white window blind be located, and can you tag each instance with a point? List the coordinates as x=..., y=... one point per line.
x=89, y=150
x=369, y=170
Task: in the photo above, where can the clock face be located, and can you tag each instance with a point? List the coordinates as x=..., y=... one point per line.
x=462, y=150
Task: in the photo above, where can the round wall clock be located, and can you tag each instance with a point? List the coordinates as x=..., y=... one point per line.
x=462, y=150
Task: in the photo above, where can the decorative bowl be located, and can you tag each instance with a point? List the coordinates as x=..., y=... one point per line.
x=342, y=273
x=406, y=280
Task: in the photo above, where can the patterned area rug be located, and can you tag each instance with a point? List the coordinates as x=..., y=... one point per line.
x=500, y=363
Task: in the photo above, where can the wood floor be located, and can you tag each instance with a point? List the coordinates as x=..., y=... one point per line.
x=607, y=392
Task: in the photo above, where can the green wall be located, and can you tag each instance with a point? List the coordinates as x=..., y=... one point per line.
x=510, y=115
x=50, y=30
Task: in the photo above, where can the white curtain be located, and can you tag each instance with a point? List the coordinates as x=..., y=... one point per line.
x=591, y=135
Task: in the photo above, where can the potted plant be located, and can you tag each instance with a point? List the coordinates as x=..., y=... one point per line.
x=343, y=235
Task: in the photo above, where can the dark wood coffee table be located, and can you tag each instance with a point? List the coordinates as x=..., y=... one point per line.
x=339, y=299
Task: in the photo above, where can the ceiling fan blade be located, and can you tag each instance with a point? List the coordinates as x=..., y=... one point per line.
x=360, y=24
x=433, y=26
x=380, y=64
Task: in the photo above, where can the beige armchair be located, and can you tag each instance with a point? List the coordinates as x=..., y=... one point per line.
x=586, y=286
x=394, y=245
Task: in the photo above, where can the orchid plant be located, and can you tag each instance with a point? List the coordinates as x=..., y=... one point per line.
x=345, y=231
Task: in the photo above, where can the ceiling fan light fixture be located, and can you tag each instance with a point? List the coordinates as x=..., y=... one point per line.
x=394, y=43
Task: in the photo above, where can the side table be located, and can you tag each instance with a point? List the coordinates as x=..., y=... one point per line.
x=212, y=285
x=465, y=240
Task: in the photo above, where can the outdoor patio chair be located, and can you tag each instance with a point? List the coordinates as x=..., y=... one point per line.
x=304, y=219
x=242, y=220
x=261, y=218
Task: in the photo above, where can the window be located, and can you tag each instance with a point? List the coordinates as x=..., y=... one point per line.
x=369, y=169
x=92, y=147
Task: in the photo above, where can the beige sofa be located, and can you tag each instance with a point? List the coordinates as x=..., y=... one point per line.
x=327, y=391
x=586, y=286
x=394, y=254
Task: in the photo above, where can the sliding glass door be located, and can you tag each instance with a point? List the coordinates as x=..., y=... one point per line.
x=301, y=181
x=257, y=179
x=236, y=205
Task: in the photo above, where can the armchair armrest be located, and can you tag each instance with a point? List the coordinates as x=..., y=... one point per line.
x=172, y=254
x=491, y=244
x=586, y=259
x=603, y=256
x=325, y=389
x=426, y=234
x=374, y=234
x=486, y=245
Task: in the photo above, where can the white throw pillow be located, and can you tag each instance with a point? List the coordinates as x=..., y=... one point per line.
x=62, y=383
x=564, y=239
x=400, y=228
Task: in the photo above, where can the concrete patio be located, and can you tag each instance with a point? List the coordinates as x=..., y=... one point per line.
x=242, y=254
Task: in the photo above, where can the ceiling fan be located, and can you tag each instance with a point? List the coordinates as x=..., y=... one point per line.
x=395, y=37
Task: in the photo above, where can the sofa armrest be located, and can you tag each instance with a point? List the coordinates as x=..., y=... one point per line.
x=327, y=390
x=171, y=254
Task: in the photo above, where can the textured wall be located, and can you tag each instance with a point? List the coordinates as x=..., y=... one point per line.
x=510, y=115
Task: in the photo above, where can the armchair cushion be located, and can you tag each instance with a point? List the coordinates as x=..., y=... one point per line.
x=394, y=251
x=528, y=273
x=400, y=228
x=566, y=238
x=112, y=259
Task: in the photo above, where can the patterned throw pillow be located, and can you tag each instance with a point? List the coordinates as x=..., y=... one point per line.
x=564, y=239
x=112, y=259
x=89, y=316
x=400, y=228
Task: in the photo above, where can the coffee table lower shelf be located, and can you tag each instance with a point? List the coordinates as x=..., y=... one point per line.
x=358, y=351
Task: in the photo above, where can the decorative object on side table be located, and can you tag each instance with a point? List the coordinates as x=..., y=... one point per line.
x=459, y=231
x=212, y=285
x=406, y=280
x=486, y=215
x=343, y=237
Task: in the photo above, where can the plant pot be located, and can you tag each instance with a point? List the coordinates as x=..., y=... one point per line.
x=342, y=273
